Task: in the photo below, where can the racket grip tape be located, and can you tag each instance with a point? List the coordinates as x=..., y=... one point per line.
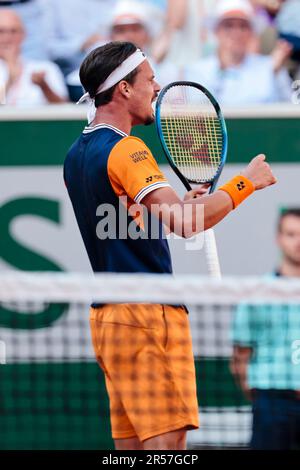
x=211, y=252
x=239, y=188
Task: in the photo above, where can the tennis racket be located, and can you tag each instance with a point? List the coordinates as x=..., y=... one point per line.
x=193, y=135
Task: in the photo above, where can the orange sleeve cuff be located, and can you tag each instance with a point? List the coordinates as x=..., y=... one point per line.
x=239, y=188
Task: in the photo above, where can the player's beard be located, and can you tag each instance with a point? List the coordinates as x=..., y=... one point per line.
x=149, y=121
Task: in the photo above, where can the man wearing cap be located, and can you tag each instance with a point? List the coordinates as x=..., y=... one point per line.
x=234, y=75
x=139, y=23
x=136, y=22
x=145, y=350
x=133, y=22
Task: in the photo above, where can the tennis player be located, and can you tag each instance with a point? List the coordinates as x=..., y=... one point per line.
x=144, y=350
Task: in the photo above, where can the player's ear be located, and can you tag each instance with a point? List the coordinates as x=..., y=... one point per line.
x=124, y=88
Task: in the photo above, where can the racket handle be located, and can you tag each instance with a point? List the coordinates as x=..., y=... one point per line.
x=211, y=252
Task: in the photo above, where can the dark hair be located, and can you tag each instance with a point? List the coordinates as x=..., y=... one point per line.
x=294, y=211
x=100, y=63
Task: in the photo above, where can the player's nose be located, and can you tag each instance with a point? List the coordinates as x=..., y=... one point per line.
x=157, y=88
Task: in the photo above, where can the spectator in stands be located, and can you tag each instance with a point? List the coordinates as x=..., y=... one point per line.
x=74, y=27
x=265, y=361
x=288, y=25
x=132, y=21
x=175, y=26
x=272, y=7
x=26, y=82
x=266, y=12
x=32, y=15
x=184, y=37
x=178, y=32
x=235, y=76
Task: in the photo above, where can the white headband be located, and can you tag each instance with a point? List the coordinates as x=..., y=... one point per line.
x=133, y=61
x=129, y=64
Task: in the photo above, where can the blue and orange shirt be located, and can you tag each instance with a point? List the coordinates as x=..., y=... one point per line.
x=107, y=173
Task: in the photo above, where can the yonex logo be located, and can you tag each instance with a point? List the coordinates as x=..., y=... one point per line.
x=241, y=185
x=154, y=177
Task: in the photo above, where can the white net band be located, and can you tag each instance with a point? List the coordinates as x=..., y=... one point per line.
x=126, y=288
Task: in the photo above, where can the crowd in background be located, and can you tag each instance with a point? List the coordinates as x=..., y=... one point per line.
x=245, y=51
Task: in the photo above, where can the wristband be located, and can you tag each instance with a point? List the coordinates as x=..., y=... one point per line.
x=239, y=188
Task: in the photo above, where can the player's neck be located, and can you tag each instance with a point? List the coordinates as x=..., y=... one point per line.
x=114, y=117
x=289, y=269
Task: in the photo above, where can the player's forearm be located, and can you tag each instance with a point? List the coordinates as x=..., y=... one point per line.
x=219, y=204
x=189, y=218
x=192, y=216
x=215, y=207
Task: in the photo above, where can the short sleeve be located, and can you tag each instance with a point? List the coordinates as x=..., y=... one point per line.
x=242, y=333
x=132, y=169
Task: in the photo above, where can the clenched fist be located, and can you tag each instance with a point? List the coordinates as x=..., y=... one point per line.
x=259, y=172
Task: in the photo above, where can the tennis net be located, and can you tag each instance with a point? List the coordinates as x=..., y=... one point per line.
x=52, y=392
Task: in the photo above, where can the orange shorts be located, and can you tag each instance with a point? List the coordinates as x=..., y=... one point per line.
x=146, y=354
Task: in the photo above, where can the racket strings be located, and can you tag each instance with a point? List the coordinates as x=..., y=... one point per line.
x=189, y=148
x=192, y=132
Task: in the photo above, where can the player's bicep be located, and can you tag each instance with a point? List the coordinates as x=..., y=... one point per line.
x=159, y=197
x=165, y=204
